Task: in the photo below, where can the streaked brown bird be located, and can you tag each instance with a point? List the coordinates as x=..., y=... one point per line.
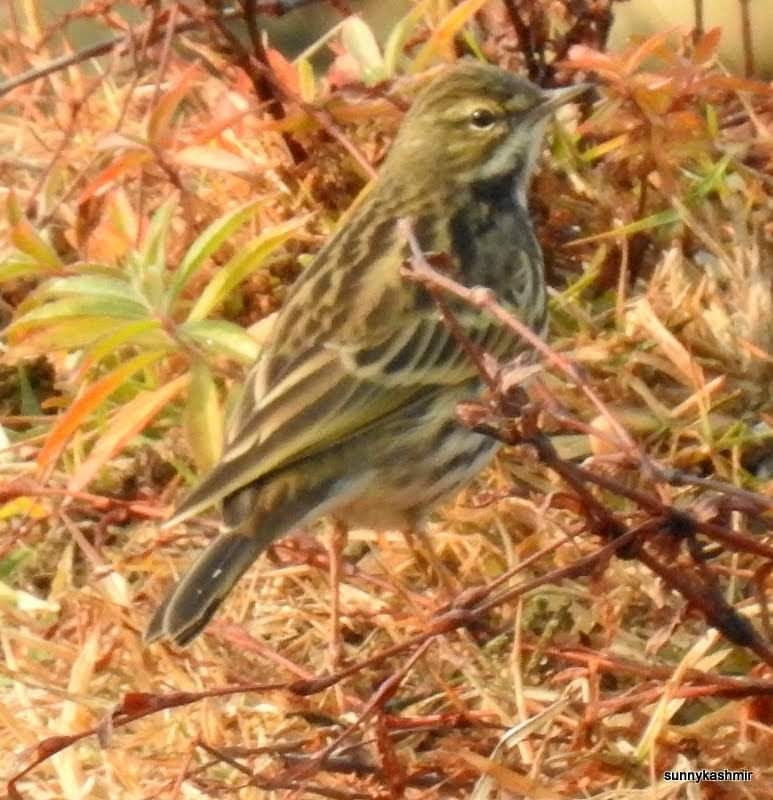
x=350, y=411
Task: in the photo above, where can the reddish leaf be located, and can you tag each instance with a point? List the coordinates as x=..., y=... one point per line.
x=160, y=118
x=94, y=395
x=705, y=49
x=440, y=43
x=284, y=71
x=634, y=58
x=130, y=420
x=104, y=180
x=586, y=58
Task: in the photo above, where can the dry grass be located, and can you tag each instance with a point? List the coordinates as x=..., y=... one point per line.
x=670, y=323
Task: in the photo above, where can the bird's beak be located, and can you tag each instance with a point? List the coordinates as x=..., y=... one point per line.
x=555, y=98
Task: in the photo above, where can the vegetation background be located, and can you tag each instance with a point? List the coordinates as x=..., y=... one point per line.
x=164, y=179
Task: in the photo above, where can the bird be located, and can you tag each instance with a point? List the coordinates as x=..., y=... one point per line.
x=350, y=409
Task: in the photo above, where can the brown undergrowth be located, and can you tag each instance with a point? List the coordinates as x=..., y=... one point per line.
x=608, y=615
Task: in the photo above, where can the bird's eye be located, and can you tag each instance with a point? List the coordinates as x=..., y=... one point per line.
x=482, y=119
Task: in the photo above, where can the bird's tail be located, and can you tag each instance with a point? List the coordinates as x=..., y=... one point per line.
x=254, y=516
x=191, y=604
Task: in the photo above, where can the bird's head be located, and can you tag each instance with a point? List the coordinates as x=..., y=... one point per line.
x=476, y=123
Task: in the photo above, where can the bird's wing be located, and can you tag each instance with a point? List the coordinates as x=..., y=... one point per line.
x=335, y=376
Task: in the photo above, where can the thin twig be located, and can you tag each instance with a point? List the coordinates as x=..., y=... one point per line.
x=524, y=39
x=747, y=38
x=484, y=299
x=123, y=44
x=699, y=588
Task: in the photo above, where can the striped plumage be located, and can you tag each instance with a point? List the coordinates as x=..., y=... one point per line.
x=351, y=408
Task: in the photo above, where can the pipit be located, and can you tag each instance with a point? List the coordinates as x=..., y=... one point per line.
x=350, y=411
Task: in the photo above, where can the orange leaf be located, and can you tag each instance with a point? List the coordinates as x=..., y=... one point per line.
x=507, y=778
x=94, y=395
x=130, y=420
x=732, y=83
x=284, y=71
x=216, y=126
x=213, y=158
x=705, y=49
x=440, y=43
x=160, y=118
x=635, y=57
x=105, y=179
x=583, y=57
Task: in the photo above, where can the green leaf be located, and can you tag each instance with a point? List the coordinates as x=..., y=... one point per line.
x=206, y=244
x=110, y=308
x=393, y=49
x=360, y=43
x=241, y=266
x=18, y=266
x=29, y=401
x=91, y=286
x=152, y=256
x=25, y=238
x=665, y=217
x=708, y=183
x=16, y=557
x=223, y=338
x=71, y=333
x=147, y=331
x=31, y=243
x=306, y=80
x=712, y=180
x=203, y=417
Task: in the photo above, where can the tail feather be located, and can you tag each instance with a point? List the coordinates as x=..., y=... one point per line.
x=195, y=599
x=254, y=516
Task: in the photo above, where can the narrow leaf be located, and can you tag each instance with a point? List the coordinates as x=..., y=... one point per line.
x=284, y=71
x=393, y=49
x=633, y=58
x=22, y=267
x=145, y=331
x=214, y=158
x=203, y=418
x=154, y=243
x=647, y=223
x=360, y=43
x=92, y=286
x=128, y=422
x=150, y=266
x=440, y=43
x=123, y=164
x=206, y=243
x=112, y=308
x=160, y=119
x=241, y=266
x=71, y=333
x=306, y=81
x=223, y=338
x=24, y=236
x=86, y=403
x=705, y=49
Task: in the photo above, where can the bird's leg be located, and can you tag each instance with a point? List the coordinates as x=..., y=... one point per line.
x=421, y=544
x=336, y=542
